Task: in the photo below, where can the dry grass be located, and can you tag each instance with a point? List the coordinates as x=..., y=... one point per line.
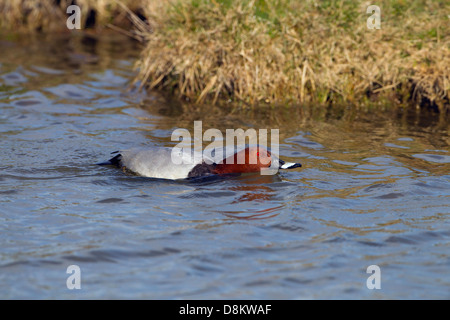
x=299, y=52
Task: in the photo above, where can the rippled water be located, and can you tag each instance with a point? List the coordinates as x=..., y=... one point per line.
x=374, y=190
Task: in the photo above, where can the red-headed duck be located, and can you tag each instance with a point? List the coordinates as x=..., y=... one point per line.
x=164, y=163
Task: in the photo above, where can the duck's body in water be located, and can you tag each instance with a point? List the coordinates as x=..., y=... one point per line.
x=164, y=163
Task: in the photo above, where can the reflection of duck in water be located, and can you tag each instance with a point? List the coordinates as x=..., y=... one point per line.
x=159, y=162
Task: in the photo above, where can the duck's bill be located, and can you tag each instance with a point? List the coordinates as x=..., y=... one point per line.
x=289, y=165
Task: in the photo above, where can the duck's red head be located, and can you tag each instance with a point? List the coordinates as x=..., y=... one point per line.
x=251, y=159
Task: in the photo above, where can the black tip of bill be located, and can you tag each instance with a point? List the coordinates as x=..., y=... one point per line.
x=289, y=165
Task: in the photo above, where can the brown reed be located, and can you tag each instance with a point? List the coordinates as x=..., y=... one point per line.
x=299, y=52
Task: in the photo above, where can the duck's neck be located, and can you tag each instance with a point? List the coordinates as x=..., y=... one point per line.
x=224, y=168
x=232, y=165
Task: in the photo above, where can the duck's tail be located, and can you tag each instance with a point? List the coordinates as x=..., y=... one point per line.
x=115, y=161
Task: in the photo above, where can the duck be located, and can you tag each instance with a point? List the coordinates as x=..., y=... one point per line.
x=167, y=163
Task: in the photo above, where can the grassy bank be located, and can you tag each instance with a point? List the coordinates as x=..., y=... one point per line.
x=300, y=52
x=280, y=51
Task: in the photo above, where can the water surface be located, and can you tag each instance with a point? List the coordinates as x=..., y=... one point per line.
x=374, y=190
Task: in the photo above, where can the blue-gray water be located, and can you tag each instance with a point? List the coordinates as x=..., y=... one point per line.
x=374, y=190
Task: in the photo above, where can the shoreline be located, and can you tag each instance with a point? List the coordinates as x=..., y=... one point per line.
x=281, y=52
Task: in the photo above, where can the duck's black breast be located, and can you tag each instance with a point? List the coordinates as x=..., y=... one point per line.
x=202, y=169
